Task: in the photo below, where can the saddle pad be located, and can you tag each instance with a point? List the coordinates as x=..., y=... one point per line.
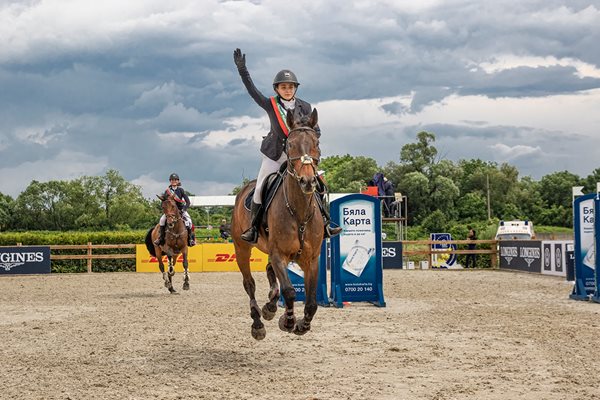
x=272, y=183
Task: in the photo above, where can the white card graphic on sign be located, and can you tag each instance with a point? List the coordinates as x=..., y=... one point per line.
x=590, y=257
x=357, y=259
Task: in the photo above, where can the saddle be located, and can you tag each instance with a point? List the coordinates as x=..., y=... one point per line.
x=269, y=189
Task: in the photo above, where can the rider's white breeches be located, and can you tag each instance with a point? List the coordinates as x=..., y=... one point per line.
x=267, y=167
x=186, y=219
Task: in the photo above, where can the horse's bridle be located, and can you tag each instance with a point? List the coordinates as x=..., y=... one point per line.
x=305, y=159
x=291, y=171
x=174, y=217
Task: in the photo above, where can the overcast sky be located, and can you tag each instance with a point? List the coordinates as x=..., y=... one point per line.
x=149, y=87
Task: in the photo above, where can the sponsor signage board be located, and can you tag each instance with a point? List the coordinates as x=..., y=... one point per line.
x=443, y=260
x=596, y=294
x=220, y=257
x=356, y=265
x=521, y=255
x=25, y=260
x=205, y=257
x=554, y=253
x=585, y=247
x=391, y=254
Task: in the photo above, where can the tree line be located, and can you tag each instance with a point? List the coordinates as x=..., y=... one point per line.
x=440, y=192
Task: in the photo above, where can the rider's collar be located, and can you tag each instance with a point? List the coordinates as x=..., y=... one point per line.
x=288, y=104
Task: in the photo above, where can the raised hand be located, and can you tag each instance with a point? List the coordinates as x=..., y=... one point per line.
x=239, y=59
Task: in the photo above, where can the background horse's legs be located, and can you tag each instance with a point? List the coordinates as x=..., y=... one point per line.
x=287, y=320
x=270, y=308
x=186, y=275
x=311, y=275
x=243, y=260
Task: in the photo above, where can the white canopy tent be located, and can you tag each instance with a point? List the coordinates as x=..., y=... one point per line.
x=224, y=201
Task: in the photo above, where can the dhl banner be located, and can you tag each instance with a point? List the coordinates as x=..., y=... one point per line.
x=205, y=257
x=221, y=257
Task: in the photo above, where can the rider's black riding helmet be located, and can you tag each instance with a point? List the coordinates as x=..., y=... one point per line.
x=173, y=176
x=285, y=76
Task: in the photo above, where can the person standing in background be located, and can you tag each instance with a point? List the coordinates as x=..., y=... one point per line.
x=471, y=258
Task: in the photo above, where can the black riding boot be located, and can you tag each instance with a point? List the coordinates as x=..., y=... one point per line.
x=191, y=237
x=330, y=231
x=251, y=235
x=161, y=237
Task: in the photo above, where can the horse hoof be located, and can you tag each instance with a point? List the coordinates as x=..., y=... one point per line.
x=268, y=314
x=259, y=334
x=298, y=330
x=286, y=324
x=173, y=291
x=186, y=286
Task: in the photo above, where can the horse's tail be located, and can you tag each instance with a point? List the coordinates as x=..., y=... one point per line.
x=150, y=243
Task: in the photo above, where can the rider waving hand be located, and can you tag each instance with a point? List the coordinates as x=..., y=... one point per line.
x=285, y=85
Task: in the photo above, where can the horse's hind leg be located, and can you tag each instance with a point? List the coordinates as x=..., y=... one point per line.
x=243, y=260
x=186, y=276
x=270, y=308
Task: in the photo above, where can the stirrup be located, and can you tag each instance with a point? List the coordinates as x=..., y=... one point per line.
x=332, y=231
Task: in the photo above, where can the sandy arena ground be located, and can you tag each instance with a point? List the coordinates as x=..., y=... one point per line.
x=443, y=335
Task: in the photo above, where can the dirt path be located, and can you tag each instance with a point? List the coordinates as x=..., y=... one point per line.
x=443, y=335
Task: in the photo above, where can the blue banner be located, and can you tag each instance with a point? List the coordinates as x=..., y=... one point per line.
x=596, y=294
x=585, y=247
x=443, y=260
x=25, y=260
x=356, y=262
x=391, y=253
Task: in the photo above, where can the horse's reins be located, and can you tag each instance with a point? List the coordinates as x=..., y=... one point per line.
x=306, y=159
x=176, y=217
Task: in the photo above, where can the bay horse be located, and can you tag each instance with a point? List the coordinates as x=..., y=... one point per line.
x=295, y=232
x=176, y=242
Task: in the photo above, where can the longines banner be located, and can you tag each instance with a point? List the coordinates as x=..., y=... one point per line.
x=391, y=253
x=555, y=257
x=25, y=260
x=206, y=257
x=522, y=255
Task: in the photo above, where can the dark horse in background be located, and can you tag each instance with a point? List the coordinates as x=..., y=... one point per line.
x=176, y=242
x=295, y=232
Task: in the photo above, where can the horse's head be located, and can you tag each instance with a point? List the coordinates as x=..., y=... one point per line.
x=169, y=208
x=303, y=151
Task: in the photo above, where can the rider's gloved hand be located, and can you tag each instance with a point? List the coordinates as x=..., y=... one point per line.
x=239, y=59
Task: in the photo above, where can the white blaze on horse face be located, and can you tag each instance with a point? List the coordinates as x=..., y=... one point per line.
x=306, y=159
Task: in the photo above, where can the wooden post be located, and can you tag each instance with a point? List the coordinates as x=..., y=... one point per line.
x=89, y=259
x=494, y=256
x=430, y=266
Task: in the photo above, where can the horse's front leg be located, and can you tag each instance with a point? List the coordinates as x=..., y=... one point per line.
x=270, y=308
x=288, y=319
x=170, y=273
x=311, y=276
x=242, y=255
x=186, y=276
x=161, y=266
